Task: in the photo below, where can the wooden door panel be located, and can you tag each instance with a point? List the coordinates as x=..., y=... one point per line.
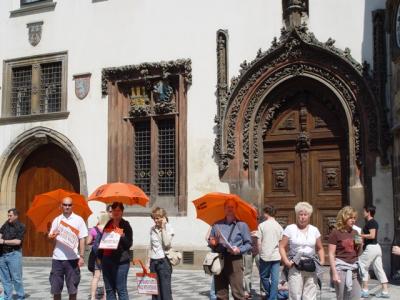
x=303, y=161
x=47, y=168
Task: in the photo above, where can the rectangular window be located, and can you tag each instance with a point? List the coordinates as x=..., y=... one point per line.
x=166, y=157
x=143, y=156
x=50, y=87
x=35, y=88
x=21, y=91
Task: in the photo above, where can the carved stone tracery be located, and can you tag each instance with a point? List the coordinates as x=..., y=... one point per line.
x=282, y=62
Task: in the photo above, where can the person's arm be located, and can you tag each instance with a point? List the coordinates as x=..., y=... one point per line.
x=18, y=238
x=127, y=238
x=371, y=235
x=89, y=239
x=14, y=242
x=81, y=260
x=283, y=244
x=247, y=242
x=396, y=250
x=332, y=262
x=320, y=250
x=166, y=236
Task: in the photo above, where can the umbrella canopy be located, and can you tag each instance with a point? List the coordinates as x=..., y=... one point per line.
x=45, y=207
x=210, y=209
x=120, y=192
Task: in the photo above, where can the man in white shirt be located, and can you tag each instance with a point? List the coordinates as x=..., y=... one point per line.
x=69, y=230
x=269, y=235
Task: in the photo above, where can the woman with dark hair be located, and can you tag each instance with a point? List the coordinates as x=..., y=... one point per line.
x=115, y=262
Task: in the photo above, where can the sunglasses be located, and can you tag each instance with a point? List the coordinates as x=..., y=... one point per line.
x=66, y=205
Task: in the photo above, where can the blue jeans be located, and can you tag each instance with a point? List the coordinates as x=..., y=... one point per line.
x=213, y=296
x=269, y=275
x=115, y=278
x=163, y=269
x=11, y=274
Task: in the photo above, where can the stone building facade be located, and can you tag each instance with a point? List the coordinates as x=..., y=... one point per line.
x=276, y=101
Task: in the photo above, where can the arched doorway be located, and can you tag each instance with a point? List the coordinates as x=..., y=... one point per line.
x=47, y=168
x=305, y=155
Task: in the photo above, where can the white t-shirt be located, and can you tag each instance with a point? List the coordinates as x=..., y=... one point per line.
x=61, y=251
x=156, y=249
x=269, y=233
x=301, y=241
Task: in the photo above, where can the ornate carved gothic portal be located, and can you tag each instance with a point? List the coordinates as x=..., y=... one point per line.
x=306, y=161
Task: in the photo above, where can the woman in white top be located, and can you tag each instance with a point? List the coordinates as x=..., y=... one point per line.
x=301, y=240
x=161, y=235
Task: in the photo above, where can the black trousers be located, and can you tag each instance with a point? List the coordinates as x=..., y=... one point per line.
x=163, y=269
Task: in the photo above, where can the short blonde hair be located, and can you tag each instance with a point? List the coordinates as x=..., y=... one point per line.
x=103, y=218
x=343, y=215
x=303, y=206
x=159, y=212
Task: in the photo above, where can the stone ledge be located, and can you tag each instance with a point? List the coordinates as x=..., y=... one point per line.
x=33, y=9
x=34, y=118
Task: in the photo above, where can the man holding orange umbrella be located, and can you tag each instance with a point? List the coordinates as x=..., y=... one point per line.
x=69, y=231
x=231, y=238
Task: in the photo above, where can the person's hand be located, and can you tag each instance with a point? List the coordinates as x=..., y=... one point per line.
x=81, y=262
x=53, y=234
x=1, y=241
x=164, y=222
x=396, y=250
x=335, y=278
x=235, y=250
x=289, y=264
x=212, y=241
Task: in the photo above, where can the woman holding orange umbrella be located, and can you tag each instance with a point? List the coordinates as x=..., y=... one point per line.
x=115, y=262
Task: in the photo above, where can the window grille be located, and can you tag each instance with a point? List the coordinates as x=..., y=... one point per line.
x=21, y=88
x=50, y=87
x=143, y=156
x=166, y=157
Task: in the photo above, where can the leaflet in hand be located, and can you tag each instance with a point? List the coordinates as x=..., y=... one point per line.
x=223, y=241
x=68, y=235
x=356, y=228
x=110, y=239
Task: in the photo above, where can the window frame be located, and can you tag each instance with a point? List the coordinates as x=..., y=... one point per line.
x=35, y=114
x=125, y=107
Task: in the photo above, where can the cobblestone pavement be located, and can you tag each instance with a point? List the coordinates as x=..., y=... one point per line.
x=186, y=284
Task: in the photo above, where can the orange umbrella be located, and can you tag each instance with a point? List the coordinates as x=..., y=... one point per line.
x=120, y=192
x=210, y=209
x=46, y=207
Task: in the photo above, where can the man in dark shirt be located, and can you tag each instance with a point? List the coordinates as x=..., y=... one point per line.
x=372, y=254
x=11, y=237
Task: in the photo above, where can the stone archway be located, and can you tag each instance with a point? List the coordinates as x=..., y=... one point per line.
x=22, y=146
x=244, y=109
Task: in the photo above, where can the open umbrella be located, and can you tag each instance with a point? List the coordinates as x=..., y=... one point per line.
x=45, y=207
x=120, y=192
x=210, y=209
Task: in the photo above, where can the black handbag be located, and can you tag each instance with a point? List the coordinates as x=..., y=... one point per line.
x=307, y=265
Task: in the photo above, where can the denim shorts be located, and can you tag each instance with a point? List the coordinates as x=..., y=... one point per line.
x=72, y=273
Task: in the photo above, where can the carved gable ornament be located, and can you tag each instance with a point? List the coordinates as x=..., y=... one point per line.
x=243, y=112
x=82, y=85
x=34, y=32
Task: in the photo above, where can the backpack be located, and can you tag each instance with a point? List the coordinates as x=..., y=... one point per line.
x=97, y=239
x=93, y=252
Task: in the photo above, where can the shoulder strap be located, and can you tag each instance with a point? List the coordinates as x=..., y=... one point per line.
x=97, y=230
x=230, y=234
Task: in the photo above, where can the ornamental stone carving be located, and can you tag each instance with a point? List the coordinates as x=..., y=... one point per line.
x=242, y=110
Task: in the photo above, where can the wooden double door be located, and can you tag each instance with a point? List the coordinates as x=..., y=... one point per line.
x=305, y=160
x=47, y=168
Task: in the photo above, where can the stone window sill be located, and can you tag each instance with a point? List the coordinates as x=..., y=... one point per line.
x=33, y=9
x=34, y=118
